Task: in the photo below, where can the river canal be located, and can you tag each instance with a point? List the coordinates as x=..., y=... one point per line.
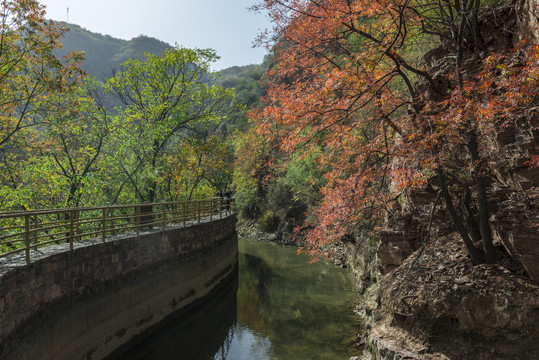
x=278, y=307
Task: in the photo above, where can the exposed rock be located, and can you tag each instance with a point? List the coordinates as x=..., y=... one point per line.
x=440, y=305
x=395, y=247
x=517, y=228
x=515, y=193
x=360, y=258
x=251, y=229
x=528, y=19
x=514, y=190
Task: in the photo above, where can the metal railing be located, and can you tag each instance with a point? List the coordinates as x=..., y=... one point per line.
x=28, y=230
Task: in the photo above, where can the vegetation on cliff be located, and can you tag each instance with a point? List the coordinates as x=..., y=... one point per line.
x=409, y=119
x=349, y=93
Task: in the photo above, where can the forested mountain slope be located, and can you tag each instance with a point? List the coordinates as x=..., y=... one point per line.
x=67, y=140
x=104, y=53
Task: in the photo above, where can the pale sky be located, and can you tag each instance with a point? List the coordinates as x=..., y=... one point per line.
x=226, y=26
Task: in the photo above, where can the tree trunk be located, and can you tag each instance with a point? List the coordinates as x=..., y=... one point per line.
x=473, y=229
x=475, y=253
x=482, y=200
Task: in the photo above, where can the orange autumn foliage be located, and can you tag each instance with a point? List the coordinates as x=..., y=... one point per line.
x=344, y=82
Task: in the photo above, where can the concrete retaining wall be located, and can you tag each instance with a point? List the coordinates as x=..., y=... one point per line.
x=86, y=303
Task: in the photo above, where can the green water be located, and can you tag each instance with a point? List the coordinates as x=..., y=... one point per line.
x=278, y=307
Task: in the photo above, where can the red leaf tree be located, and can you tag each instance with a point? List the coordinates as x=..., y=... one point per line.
x=348, y=82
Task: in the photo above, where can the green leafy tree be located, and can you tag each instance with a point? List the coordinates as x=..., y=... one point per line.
x=29, y=71
x=164, y=98
x=30, y=75
x=74, y=138
x=252, y=167
x=200, y=166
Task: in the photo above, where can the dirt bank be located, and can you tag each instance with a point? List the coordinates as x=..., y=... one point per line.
x=440, y=306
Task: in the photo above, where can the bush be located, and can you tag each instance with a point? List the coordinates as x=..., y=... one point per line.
x=280, y=197
x=268, y=222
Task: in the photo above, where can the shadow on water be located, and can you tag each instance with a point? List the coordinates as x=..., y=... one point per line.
x=279, y=307
x=198, y=334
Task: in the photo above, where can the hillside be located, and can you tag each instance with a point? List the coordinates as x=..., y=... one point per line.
x=104, y=52
x=245, y=81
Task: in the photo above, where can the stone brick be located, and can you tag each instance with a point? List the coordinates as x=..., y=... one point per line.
x=98, y=266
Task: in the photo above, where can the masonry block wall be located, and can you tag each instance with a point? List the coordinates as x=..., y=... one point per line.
x=85, y=303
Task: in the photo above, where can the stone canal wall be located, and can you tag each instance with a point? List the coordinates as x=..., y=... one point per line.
x=85, y=303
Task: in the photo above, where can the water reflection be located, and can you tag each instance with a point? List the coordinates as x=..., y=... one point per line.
x=282, y=307
x=303, y=309
x=199, y=334
x=244, y=344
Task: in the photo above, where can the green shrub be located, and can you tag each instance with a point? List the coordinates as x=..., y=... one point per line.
x=268, y=222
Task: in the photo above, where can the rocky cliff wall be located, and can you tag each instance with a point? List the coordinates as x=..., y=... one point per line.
x=513, y=190
x=435, y=303
x=528, y=19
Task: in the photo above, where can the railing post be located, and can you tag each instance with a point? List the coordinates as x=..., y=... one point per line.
x=35, y=229
x=71, y=229
x=147, y=216
x=112, y=221
x=198, y=212
x=211, y=209
x=138, y=220
x=220, y=208
x=164, y=217
x=77, y=225
x=27, y=237
x=183, y=213
x=104, y=225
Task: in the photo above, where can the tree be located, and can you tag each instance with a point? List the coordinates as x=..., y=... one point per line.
x=30, y=75
x=199, y=165
x=60, y=162
x=348, y=81
x=252, y=166
x=29, y=71
x=74, y=135
x=164, y=98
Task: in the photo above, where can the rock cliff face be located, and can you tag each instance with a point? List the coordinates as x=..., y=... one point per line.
x=433, y=302
x=529, y=19
x=513, y=202
x=514, y=187
x=515, y=194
